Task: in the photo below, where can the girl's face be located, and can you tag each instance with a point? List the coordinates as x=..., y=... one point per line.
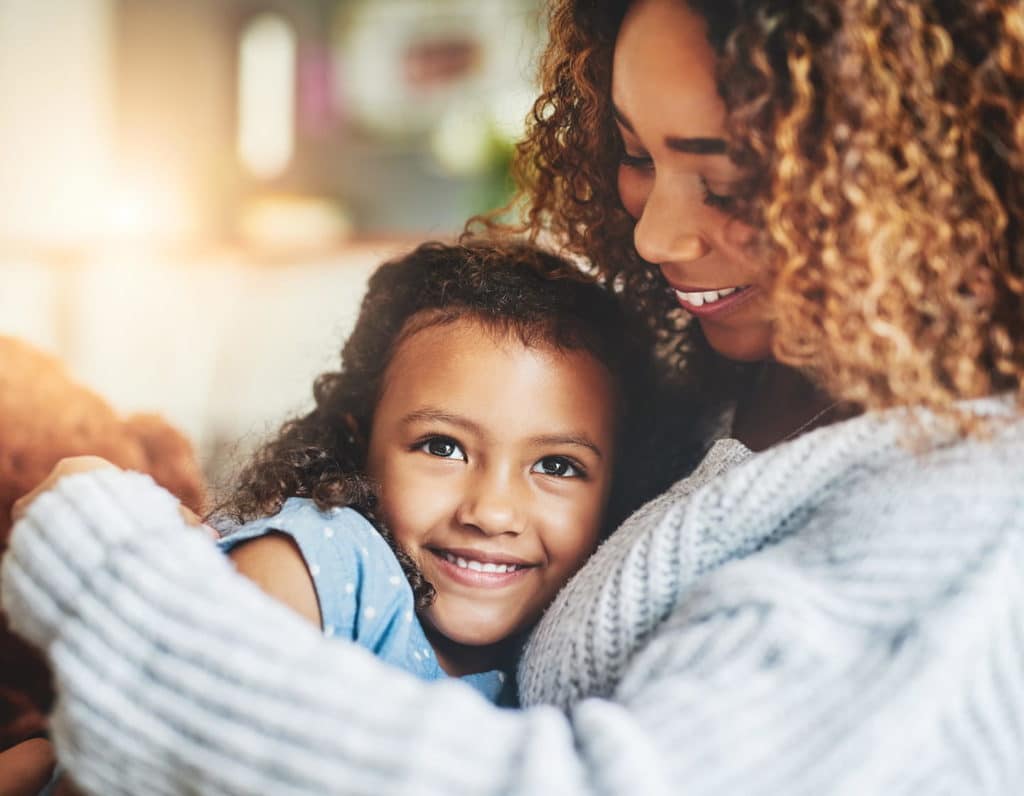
x=676, y=180
x=494, y=462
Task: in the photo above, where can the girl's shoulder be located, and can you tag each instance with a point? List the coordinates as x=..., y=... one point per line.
x=349, y=579
x=302, y=519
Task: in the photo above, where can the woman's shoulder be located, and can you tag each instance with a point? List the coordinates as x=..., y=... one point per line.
x=939, y=469
x=848, y=503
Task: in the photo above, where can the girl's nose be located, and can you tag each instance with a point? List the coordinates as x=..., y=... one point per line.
x=668, y=229
x=491, y=504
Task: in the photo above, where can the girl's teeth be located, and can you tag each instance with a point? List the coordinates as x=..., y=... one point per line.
x=700, y=298
x=479, y=566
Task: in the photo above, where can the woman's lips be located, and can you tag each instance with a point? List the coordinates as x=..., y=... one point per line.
x=711, y=303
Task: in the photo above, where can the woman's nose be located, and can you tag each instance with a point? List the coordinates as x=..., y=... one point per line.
x=668, y=229
x=492, y=505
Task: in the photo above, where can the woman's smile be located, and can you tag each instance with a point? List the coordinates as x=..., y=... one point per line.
x=675, y=175
x=713, y=303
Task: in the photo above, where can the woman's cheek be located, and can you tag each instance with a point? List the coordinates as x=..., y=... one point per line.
x=633, y=190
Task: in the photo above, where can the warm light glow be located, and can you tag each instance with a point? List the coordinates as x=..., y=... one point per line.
x=266, y=95
x=147, y=212
x=56, y=119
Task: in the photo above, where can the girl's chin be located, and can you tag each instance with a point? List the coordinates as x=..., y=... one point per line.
x=468, y=628
x=466, y=635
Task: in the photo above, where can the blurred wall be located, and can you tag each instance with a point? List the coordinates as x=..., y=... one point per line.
x=134, y=243
x=223, y=349
x=56, y=118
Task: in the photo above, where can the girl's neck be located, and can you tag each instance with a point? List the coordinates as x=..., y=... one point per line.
x=781, y=403
x=459, y=660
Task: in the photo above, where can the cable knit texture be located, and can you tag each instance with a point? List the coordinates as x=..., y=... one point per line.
x=839, y=614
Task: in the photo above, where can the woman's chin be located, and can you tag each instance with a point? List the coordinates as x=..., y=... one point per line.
x=741, y=343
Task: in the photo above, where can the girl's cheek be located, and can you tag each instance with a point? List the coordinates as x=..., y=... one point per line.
x=575, y=528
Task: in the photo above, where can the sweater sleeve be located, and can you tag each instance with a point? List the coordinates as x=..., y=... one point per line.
x=789, y=671
x=167, y=684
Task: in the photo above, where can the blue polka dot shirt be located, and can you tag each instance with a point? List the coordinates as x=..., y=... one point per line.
x=363, y=594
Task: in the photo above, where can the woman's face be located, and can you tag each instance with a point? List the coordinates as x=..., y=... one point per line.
x=676, y=180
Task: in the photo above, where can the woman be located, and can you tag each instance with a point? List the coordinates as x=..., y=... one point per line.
x=830, y=185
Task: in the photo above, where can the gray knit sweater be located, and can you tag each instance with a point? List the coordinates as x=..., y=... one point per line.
x=839, y=614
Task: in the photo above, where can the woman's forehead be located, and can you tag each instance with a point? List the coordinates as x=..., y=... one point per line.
x=664, y=70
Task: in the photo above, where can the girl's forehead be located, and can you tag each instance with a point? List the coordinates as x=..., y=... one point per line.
x=466, y=338
x=497, y=386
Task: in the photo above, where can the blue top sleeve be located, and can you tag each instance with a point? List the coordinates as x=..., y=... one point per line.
x=362, y=591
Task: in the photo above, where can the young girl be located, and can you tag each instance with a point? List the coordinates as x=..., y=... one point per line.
x=457, y=469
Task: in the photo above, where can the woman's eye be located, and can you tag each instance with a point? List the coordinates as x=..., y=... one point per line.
x=444, y=448
x=635, y=161
x=715, y=200
x=558, y=466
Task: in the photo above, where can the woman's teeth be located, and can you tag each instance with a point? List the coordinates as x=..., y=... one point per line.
x=700, y=298
x=480, y=566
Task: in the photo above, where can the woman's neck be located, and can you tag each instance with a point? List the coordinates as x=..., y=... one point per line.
x=781, y=403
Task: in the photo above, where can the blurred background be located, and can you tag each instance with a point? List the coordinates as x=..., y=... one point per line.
x=194, y=191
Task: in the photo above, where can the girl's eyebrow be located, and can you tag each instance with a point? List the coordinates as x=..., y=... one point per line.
x=431, y=415
x=688, y=146
x=579, y=440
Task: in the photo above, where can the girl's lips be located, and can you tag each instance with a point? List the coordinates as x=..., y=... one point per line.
x=719, y=307
x=484, y=557
x=477, y=577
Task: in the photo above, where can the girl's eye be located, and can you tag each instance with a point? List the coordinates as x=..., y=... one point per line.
x=558, y=466
x=715, y=200
x=443, y=448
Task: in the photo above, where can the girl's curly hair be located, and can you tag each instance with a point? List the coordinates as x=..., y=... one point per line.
x=512, y=288
x=884, y=143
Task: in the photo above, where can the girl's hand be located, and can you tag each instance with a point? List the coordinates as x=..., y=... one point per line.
x=68, y=466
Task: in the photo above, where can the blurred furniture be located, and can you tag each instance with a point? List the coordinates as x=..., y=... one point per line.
x=223, y=347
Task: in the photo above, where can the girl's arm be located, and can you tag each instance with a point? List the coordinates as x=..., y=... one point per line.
x=26, y=767
x=275, y=564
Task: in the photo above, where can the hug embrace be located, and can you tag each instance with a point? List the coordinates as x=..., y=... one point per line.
x=740, y=511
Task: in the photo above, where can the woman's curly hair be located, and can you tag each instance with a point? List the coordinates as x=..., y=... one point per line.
x=884, y=146
x=512, y=288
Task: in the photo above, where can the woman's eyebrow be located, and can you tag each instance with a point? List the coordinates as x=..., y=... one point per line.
x=696, y=146
x=690, y=146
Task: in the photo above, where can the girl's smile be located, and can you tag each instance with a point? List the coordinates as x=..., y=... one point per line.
x=477, y=568
x=495, y=463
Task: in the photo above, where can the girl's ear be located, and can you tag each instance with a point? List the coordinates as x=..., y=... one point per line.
x=353, y=432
